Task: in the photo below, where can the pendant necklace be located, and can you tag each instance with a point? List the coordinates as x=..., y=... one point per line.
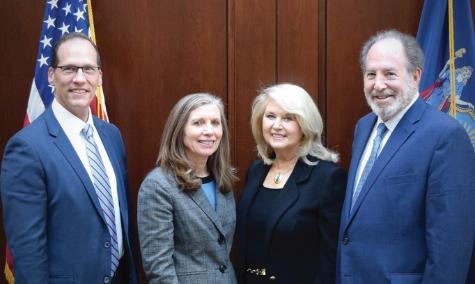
x=278, y=178
x=280, y=175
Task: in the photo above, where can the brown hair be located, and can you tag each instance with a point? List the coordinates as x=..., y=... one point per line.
x=172, y=156
x=70, y=36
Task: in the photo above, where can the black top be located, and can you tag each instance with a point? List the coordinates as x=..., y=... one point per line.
x=207, y=179
x=298, y=239
x=256, y=222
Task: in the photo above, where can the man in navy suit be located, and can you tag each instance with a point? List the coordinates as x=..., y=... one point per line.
x=58, y=227
x=409, y=213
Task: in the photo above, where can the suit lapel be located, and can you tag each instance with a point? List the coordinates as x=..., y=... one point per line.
x=222, y=207
x=401, y=133
x=64, y=145
x=255, y=177
x=202, y=202
x=254, y=181
x=362, y=134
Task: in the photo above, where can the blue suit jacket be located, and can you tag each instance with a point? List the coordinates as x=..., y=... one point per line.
x=53, y=221
x=414, y=220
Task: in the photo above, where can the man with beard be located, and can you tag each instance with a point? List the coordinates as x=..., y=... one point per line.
x=409, y=214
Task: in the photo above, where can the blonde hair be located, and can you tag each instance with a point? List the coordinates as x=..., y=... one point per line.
x=172, y=156
x=294, y=100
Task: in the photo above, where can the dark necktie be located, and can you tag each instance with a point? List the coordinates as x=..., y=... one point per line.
x=381, y=130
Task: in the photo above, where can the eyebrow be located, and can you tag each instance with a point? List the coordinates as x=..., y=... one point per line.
x=383, y=69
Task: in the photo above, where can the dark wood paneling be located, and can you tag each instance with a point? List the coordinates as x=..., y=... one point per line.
x=255, y=67
x=349, y=25
x=297, y=43
x=20, y=24
x=21, y=27
x=165, y=50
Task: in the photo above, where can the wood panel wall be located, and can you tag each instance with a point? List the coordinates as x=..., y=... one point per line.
x=345, y=36
x=156, y=51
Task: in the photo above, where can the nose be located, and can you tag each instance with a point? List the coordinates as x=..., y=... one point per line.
x=379, y=82
x=79, y=76
x=208, y=128
x=277, y=123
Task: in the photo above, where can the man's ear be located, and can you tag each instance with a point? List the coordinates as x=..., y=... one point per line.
x=99, y=82
x=416, y=76
x=51, y=76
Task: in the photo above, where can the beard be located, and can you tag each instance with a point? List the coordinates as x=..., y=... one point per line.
x=401, y=100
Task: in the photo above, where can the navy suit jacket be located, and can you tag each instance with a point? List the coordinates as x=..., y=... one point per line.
x=301, y=236
x=414, y=220
x=53, y=221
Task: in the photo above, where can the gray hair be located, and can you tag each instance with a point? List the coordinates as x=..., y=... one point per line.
x=412, y=49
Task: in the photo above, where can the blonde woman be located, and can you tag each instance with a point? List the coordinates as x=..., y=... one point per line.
x=289, y=211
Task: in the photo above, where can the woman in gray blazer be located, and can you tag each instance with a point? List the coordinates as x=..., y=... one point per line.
x=186, y=209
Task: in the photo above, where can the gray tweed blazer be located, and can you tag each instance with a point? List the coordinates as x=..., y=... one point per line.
x=182, y=238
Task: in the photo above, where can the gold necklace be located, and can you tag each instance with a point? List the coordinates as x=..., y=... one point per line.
x=280, y=175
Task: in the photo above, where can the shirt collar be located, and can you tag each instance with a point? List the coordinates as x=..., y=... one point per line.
x=69, y=121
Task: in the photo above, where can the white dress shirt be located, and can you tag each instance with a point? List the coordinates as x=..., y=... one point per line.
x=390, y=125
x=72, y=126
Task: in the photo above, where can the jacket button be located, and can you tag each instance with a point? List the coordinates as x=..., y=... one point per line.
x=107, y=279
x=221, y=240
x=346, y=240
x=272, y=277
x=222, y=268
x=107, y=244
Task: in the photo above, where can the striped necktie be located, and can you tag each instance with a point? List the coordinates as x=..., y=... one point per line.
x=380, y=131
x=103, y=191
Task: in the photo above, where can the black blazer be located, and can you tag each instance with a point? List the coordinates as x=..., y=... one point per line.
x=301, y=237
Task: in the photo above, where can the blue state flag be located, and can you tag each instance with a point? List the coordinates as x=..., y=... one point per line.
x=434, y=37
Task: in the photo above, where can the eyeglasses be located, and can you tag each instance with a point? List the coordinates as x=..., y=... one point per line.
x=69, y=70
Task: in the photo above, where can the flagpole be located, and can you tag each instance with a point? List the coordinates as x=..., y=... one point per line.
x=100, y=95
x=452, y=110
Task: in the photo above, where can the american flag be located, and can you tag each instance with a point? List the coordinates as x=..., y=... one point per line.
x=61, y=17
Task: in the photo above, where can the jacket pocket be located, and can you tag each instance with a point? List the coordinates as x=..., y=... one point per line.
x=401, y=179
x=61, y=280
x=406, y=278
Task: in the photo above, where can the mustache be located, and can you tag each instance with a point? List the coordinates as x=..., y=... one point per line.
x=385, y=93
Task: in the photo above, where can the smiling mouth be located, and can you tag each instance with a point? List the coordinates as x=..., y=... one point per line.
x=206, y=142
x=79, y=91
x=384, y=97
x=278, y=136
